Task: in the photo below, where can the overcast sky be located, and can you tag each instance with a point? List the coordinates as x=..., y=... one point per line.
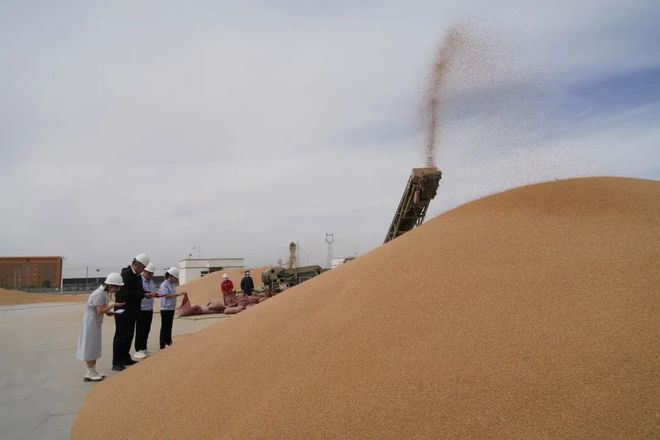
x=237, y=127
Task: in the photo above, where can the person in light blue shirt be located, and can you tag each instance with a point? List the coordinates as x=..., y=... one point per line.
x=167, y=294
x=146, y=314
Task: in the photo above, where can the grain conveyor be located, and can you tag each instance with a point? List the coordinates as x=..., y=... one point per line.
x=420, y=190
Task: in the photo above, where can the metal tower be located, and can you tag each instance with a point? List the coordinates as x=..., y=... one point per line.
x=329, y=238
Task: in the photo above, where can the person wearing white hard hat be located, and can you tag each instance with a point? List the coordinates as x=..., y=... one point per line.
x=146, y=313
x=89, y=342
x=131, y=293
x=168, y=296
x=228, y=291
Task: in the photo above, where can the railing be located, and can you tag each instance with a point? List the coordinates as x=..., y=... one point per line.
x=55, y=290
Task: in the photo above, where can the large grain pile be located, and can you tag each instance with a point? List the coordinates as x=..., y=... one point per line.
x=533, y=313
x=15, y=297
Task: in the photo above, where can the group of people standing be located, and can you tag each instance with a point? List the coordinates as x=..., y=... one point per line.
x=129, y=297
x=229, y=292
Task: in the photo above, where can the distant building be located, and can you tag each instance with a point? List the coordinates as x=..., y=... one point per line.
x=30, y=272
x=191, y=269
x=336, y=262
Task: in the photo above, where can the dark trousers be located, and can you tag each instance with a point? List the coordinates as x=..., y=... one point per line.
x=142, y=329
x=166, y=319
x=121, y=344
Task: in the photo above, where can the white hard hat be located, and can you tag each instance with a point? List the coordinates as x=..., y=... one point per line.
x=114, y=279
x=225, y=276
x=174, y=272
x=151, y=267
x=143, y=258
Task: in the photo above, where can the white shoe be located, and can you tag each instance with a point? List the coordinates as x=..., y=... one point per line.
x=147, y=352
x=140, y=355
x=93, y=377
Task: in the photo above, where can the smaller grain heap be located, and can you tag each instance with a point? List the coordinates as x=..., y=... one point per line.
x=14, y=297
x=206, y=289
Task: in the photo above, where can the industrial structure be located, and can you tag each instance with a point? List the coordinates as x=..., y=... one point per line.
x=421, y=188
x=30, y=272
x=293, y=255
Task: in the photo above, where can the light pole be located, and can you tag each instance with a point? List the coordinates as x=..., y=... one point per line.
x=97, y=275
x=61, y=274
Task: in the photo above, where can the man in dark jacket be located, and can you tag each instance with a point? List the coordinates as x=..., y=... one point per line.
x=130, y=293
x=247, y=285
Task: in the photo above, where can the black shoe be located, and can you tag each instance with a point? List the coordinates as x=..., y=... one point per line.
x=118, y=368
x=130, y=362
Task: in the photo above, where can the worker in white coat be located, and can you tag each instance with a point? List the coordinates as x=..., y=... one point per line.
x=89, y=343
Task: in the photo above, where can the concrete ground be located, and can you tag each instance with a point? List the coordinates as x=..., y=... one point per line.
x=41, y=381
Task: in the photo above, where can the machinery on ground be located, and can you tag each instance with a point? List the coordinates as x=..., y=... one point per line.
x=276, y=279
x=421, y=189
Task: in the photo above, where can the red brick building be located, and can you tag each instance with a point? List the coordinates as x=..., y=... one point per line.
x=30, y=272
